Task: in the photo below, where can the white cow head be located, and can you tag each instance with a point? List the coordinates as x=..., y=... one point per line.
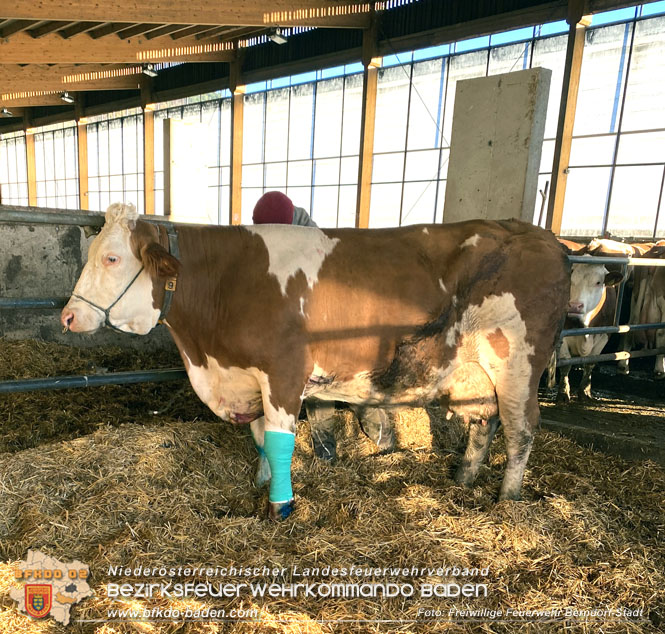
x=587, y=290
x=122, y=262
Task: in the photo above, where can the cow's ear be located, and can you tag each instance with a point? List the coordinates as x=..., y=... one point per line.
x=613, y=278
x=158, y=261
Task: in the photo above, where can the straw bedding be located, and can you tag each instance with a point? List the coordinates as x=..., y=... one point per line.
x=94, y=475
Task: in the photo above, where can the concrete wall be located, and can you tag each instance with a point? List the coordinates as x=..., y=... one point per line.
x=495, y=147
x=40, y=261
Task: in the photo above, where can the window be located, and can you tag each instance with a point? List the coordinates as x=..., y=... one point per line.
x=303, y=139
x=13, y=170
x=215, y=116
x=115, y=160
x=56, y=166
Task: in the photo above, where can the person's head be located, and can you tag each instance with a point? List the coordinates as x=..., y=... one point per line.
x=273, y=208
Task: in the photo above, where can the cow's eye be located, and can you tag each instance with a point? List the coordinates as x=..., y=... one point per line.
x=111, y=259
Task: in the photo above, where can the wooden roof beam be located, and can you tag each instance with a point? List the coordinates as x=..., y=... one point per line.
x=46, y=28
x=330, y=13
x=14, y=26
x=107, y=29
x=78, y=27
x=137, y=29
x=52, y=49
x=167, y=30
x=17, y=79
x=192, y=30
x=213, y=32
x=51, y=99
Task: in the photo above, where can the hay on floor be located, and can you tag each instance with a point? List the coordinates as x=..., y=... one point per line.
x=113, y=485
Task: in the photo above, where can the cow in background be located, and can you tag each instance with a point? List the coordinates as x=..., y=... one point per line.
x=593, y=299
x=647, y=306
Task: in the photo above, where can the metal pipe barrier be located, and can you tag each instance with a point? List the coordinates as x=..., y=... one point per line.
x=610, y=356
x=91, y=380
x=47, y=216
x=610, y=330
x=17, y=303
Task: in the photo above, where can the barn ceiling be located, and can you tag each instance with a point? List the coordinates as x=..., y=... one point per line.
x=96, y=51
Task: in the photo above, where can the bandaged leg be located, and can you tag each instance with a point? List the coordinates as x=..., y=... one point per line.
x=278, y=447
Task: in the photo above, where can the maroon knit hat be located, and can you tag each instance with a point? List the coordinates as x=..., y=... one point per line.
x=273, y=208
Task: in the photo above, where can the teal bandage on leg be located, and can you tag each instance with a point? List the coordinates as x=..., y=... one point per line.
x=278, y=447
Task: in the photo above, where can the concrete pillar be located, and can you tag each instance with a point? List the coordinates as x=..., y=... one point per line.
x=496, y=142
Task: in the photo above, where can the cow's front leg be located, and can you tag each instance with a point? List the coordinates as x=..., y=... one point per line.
x=278, y=444
x=263, y=468
x=563, y=396
x=584, y=390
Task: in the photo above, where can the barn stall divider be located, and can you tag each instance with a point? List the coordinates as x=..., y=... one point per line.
x=92, y=222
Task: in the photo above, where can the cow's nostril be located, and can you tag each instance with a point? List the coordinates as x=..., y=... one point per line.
x=67, y=319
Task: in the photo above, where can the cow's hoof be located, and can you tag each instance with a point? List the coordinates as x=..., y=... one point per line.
x=659, y=376
x=622, y=370
x=324, y=445
x=263, y=474
x=513, y=496
x=562, y=398
x=378, y=428
x=584, y=397
x=464, y=477
x=278, y=511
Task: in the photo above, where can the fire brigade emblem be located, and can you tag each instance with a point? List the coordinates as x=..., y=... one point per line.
x=38, y=598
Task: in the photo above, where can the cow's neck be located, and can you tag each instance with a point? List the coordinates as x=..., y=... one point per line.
x=196, y=317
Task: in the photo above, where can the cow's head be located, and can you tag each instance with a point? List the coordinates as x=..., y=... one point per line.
x=123, y=261
x=587, y=290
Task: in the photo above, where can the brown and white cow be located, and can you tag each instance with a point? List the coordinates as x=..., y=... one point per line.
x=647, y=306
x=593, y=299
x=267, y=315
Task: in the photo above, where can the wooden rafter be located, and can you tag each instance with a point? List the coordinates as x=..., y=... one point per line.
x=52, y=49
x=330, y=13
x=15, y=26
x=34, y=77
x=213, y=32
x=79, y=27
x=107, y=29
x=192, y=30
x=137, y=29
x=46, y=28
x=166, y=30
x=51, y=99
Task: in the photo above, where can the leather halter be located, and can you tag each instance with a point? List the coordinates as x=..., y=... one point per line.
x=169, y=286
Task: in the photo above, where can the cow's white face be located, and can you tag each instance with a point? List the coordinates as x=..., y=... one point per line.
x=587, y=288
x=110, y=269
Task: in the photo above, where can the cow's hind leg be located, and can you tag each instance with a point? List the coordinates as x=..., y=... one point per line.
x=519, y=421
x=321, y=417
x=480, y=438
x=263, y=468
